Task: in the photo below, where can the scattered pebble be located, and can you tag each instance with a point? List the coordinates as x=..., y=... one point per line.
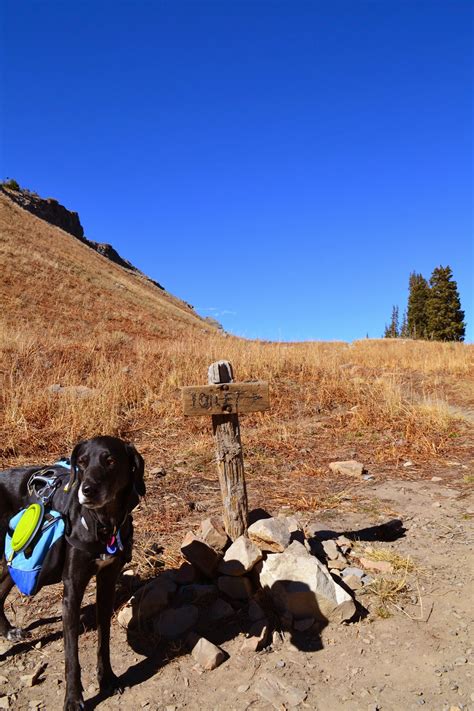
x=243, y=688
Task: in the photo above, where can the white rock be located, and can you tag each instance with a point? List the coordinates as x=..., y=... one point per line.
x=31, y=679
x=125, y=616
x=200, y=554
x=353, y=571
x=270, y=534
x=353, y=581
x=339, y=563
x=348, y=468
x=331, y=549
x=213, y=533
x=240, y=557
x=207, y=654
x=258, y=637
x=295, y=528
x=301, y=585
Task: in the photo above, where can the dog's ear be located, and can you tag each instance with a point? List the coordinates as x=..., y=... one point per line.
x=137, y=466
x=76, y=453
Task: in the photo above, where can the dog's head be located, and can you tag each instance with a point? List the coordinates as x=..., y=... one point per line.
x=107, y=469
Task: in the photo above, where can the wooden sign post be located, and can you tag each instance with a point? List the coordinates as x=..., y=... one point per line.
x=224, y=400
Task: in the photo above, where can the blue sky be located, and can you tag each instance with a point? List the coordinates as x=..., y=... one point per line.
x=283, y=166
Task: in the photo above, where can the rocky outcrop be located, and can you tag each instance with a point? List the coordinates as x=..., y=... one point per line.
x=47, y=209
x=50, y=210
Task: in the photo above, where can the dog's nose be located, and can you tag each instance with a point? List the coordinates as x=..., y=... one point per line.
x=88, y=489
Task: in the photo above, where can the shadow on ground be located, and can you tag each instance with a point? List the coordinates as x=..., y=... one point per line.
x=158, y=652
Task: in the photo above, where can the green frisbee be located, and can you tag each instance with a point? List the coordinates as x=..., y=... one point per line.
x=27, y=527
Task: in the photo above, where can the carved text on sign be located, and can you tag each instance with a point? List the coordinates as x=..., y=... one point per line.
x=228, y=398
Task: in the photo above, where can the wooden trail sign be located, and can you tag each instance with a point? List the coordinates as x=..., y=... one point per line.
x=224, y=400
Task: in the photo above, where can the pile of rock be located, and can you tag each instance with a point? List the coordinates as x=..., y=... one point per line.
x=274, y=567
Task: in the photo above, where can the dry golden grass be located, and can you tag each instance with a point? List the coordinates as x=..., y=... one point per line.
x=73, y=318
x=135, y=393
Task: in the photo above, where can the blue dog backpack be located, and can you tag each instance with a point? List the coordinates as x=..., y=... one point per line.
x=31, y=567
x=37, y=561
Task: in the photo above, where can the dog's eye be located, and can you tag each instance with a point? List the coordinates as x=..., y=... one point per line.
x=110, y=461
x=82, y=461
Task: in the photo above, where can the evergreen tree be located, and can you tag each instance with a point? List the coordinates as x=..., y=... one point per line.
x=445, y=319
x=417, y=318
x=404, y=332
x=392, y=331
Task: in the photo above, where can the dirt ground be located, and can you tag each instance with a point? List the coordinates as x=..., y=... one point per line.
x=422, y=655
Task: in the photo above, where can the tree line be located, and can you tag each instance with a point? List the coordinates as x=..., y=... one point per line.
x=433, y=311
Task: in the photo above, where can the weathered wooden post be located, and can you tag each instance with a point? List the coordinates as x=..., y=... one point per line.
x=224, y=399
x=230, y=460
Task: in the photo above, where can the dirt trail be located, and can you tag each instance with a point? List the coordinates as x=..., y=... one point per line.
x=421, y=656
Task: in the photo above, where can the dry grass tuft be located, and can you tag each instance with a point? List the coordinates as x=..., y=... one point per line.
x=398, y=562
x=388, y=589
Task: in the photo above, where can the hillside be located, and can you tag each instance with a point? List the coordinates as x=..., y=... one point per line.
x=50, y=277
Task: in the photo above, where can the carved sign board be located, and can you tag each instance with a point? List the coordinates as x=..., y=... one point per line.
x=225, y=399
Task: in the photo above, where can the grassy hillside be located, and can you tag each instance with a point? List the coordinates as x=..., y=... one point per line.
x=72, y=318
x=50, y=279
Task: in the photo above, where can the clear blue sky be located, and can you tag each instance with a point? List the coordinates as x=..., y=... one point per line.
x=283, y=166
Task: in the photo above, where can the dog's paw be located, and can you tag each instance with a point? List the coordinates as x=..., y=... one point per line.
x=15, y=634
x=74, y=705
x=110, y=685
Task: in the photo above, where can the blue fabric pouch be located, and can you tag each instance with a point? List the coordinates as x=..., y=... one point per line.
x=40, y=563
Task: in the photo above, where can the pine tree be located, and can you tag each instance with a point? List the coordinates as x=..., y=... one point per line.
x=417, y=318
x=392, y=331
x=404, y=332
x=445, y=319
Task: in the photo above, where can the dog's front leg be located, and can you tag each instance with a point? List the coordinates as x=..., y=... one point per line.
x=6, y=583
x=76, y=574
x=106, y=582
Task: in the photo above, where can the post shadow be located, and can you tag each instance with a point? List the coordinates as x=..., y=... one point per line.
x=387, y=532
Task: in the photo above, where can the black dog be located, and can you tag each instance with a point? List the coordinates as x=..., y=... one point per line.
x=107, y=481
